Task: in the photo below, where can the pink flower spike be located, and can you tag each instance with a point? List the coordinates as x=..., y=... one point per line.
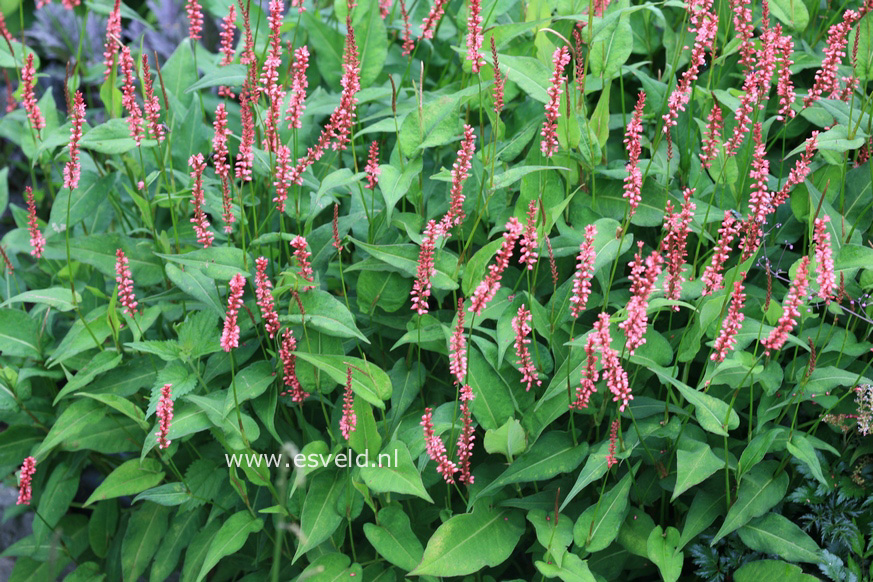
x=643, y=276
x=425, y=269
x=712, y=277
x=584, y=272
x=436, y=450
x=489, y=286
x=458, y=347
x=263, y=291
x=428, y=27
x=384, y=8
x=549, y=143
x=824, y=259
x=25, y=493
x=152, y=104
x=408, y=43
x=373, y=170
x=195, y=19
x=613, y=373
x=613, y=436
x=675, y=244
x=727, y=337
x=474, y=35
x=230, y=335
x=128, y=99
x=73, y=169
x=588, y=383
x=712, y=140
x=299, y=83
x=760, y=204
x=199, y=220
x=826, y=77
x=125, y=284
x=790, y=309
x=220, y=151
x=349, y=421
x=302, y=256
x=521, y=325
x=165, y=416
x=529, y=239
x=298, y=4
x=228, y=29
x=289, y=368
x=633, y=183
x=499, y=80
x=784, y=86
x=466, y=438
x=283, y=177
x=113, y=38
x=799, y=172
x=460, y=172
x=37, y=240
x=28, y=98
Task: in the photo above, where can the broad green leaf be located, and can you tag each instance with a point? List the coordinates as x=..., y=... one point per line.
x=180, y=72
x=775, y=534
x=759, y=491
x=93, y=191
x=405, y=258
x=532, y=76
x=197, y=285
x=368, y=380
x=101, y=362
x=111, y=138
x=714, y=415
x=73, y=421
x=390, y=291
x=553, y=454
x=694, y=465
x=18, y=56
x=230, y=539
x=231, y=75
x=122, y=405
x=365, y=439
x=393, y=538
x=251, y=382
x=598, y=525
x=835, y=139
x=397, y=473
x=468, y=542
x=197, y=549
x=394, y=185
x=327, y=314
x=220, y=263
x=663, y=551
x=791, y=13
x=755, y=450
x=508, y=440
x=4, y=190
x=610, y=48
x=98, y=250
x=572, y=569
x=129, y=478
x=19, y=334
x=555, y=534
x=634, y=533
x=59, y=298
x=55, y=498
x=438, y=124
x=372, y=42
x=493, y=404
x=772, y=570
x=101, y=527
x=802, y=450
x=168, y=494
x=704, y=510
x=183, y=527
x=143, y=535
x=864, y=64
x=319, y=518
x=595, y=468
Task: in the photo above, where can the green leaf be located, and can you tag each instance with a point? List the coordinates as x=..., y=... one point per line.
x=390, y=291
x=393, y=538
x=230, y=539
x=220, y=263
x=231, y=75
x=704, y=510
x=4, y=190
x=493, y=404
x=180, y=72
x=199, y=546
x=864, y=64
x=129, y=478
x=468, y=542
x=572, y=569
x=775, y=534
x=714, y=415
x=18, y=56
x=595, y=468
x=142, y=537
x=73, y=421
x=55, y=498
x=327, y=314
x=319, y=518
x=405, y=258
x=663, y=551
x=532, y=76
x=397, y=474
x=98, y=250
x=372, y=42
x=101, y=362
x=122, y=405
x=19, y=334
x=183, y=527
x=111, y=138
x=554, y=533
x=509, y=439
x=368, y=380
x=760, y=490
x=800, y=447
x=395, y=185
x=87, y=198
x=610, y=48
x=835, y=139
x=439, y=123
x=55, y=297
x=197, y=285
x=694, y=465
x=553, y=454
x=365, y=439
x=791, y=13
x=772, y=570
x=251, y=382
x=598, y=525
x=168, y=494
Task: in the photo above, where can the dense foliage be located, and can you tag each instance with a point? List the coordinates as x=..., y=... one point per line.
x=584, y=284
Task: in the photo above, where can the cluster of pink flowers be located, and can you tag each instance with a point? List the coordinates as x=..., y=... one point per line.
x=337, y=244
x=165, y=416
x=372, y=169
x=263, y=291
x=28, y=98
x=466, y=437
x=408, y=43
x=25, y=493
x=527, y=248
x=230, y=334
x=613, y=437
x=727, y=337
x=826, y=78
x=384, y=8
x=299, y=84
x=712, y=141
x=195, y=19
x=283, y=177
x=613, y=372
x=584, y=272
x=474, y=35
x=489, y=286
x=113, y=38
x=790, y=309
x=73, y=169
x=200, y=222
x=428, y=27
x=37, y=240
x=436, y=449
x=549, y=143
x=784, y=85
x=460, y=172
x=643, y=276
x=269, y=81
x=128, y=98
x=499, y=80
x=289, y=368
x=458, y=347
x=125, y=283
x=588, y=383
x=824, y=259
x=421, y=287
x=302, y=256
x=760, y=204
x=799, y=172
x=228, y=29
x=674, y=244
x=744, y=29
x=521, y=326
x=152, y=104
x=633, y=183
x=712, y=276
x=349, y=420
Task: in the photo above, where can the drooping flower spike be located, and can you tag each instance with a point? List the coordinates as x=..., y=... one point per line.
x=489, y=286
x=460, y=173
x=613, y=372
x=302, y=255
